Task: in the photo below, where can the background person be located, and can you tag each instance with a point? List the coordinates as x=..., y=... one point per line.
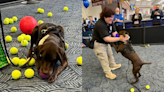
x=156, y=15
x=136, y=18
x=118, y=20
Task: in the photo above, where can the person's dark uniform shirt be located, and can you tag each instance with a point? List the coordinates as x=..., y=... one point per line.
x=102, y=30
x=157, y=18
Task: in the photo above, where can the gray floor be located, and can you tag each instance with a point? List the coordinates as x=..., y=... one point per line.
x=70, y=80
x=94, y=79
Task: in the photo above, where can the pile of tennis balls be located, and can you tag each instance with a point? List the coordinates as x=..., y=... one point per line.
x=24, y=39
x=49, y=14
x=10, y=20
x=16, y=74
x=29, y=73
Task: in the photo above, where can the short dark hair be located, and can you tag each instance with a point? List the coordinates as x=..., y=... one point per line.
x=106, y=12
x=90, y=16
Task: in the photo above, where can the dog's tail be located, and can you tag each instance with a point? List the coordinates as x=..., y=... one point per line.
x=146, y=63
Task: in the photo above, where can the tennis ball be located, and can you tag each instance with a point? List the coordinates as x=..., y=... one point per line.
x=24, y=43
x=29, y=73
x=145, y=46
x=148, y=44
x=15, y=60
x=6, y=21
x=23, y=35
x=38, y=10
x=147, y=87
x=132, y=89
x=79, y=60
x=41, y=10
x=28, y=38
x=13, y=29
x=22, y=61
x=20, y=38
x=65, y=8
x=40, y=21
x=8, y=60
x=49, y=14
x=16, y=74
x=32, y=61
x=15, y=18
x=8, y=38
x=66, y=46
x=13, y=50
x=11, y=21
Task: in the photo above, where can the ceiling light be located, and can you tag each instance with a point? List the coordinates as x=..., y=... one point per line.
x=148, y=0
x=137, y=0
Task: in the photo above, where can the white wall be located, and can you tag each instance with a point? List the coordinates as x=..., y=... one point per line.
x=91, y=11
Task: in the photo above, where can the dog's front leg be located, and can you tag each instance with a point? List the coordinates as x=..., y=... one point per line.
x=60, y=68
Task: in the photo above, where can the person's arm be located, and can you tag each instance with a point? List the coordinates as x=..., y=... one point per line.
x=152, y=14
x=89, y=24
x=115, y=39
x=133, y=19
x=161, y=13
x=140, y=18
x=114, y=20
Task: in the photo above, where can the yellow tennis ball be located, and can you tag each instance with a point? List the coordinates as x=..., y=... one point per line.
x=145, y=46
x=32, y=61
x=41, y=10
x=14, y=18
x=13, y=29
x=6, y=21
x=40, y=21
x=79, y=60
x=16, y=74
x=49, y=14
x=66, y=46
x=22, y=61
x=132, y=89
x=20, y=38
x=11, y=21
x=15, y=60
x=8, y=38
x=148, y=44
x=23, y=35
x=24, y=43
x=65, y=8
x=13, y=50
x=147, y=87
x=8, y=60
x=29, y=73
x=28, y=38
x=38, y=10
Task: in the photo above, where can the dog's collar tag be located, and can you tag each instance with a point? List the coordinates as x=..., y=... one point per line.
x=43, y=31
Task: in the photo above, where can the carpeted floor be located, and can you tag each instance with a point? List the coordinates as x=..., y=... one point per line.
x=70, y=80
x=94, y=79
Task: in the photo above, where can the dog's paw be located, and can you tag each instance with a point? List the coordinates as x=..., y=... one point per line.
x=52, y=78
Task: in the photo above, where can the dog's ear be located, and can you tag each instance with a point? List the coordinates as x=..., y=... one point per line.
x=60, y=29
x=62, y=55
x=34, y=35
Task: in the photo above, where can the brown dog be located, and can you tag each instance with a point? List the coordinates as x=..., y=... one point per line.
x=127, y=51
x=49, y=48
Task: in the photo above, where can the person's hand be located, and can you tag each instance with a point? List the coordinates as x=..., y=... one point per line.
x=123, y=39
x=114, y=33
